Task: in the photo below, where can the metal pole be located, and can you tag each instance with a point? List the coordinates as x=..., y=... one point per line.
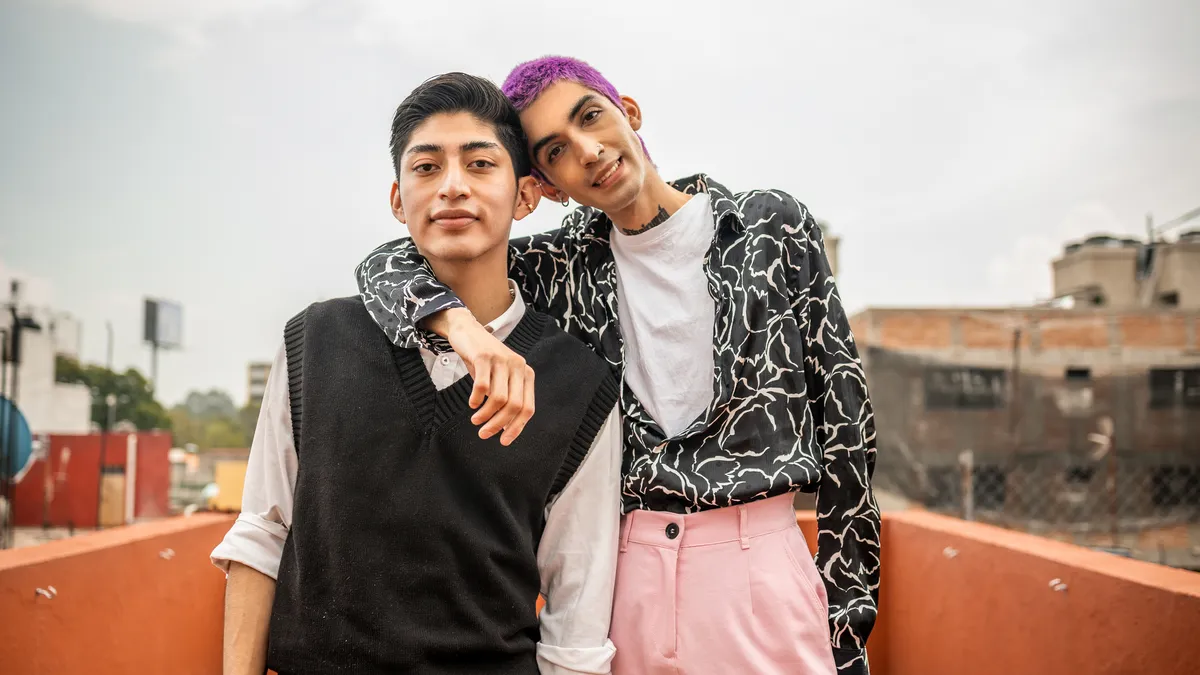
x=100, y=476
x=966, y=460
x=103, y=432
x=154, y=366
x=1014, y=410
x=1112, y=495
x=3, y=361
x=110, y=401
x=4, y=415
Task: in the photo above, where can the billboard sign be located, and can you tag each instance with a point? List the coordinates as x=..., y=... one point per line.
x=163, y=321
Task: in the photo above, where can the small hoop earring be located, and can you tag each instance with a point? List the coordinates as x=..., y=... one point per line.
x=529, y=206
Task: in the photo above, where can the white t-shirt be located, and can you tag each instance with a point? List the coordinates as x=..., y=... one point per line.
x=667, y=314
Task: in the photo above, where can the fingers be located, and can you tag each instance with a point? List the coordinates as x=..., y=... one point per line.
x=514, y=428
x=497, y=395
x=481, y=370
x=513, y=404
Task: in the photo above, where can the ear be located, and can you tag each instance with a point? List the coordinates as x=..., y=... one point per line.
x=552, y=193
x=397, y=205
x=528, y=196
x=633, y=111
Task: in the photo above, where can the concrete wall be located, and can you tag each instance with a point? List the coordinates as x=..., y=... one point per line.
x=142, y=599
x=959, y=597
x=1112, y=270
x=1181, y=273
x=955, y=597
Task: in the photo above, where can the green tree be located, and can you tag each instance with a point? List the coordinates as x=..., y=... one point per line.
x=211, y=420
x=133, y=399
x=210, y=405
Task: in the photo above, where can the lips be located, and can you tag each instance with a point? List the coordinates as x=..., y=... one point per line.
x=453, y=219
x=605, y=178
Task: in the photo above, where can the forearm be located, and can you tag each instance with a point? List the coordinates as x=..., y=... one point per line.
x=249, y=596
x=450, y=321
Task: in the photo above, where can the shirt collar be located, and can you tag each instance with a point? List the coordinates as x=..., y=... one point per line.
x=503, y=325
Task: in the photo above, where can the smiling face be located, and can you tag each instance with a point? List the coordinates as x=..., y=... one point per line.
x=586, y=146
x=456, y=189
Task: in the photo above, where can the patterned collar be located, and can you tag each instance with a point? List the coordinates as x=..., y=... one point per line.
x=591, y=223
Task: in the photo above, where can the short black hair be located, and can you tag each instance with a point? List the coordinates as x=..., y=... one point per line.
x=460, y=92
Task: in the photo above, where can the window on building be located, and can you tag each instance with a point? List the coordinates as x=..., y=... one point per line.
x=1078, y=374
x=1079, y=475
x=971, y=388
x=1169, y=299
x=1171, y=387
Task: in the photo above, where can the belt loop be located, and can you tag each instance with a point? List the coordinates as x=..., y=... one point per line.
x=626, y=526
x=743, y=529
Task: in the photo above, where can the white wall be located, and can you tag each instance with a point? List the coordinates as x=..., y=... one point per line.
x=49, y=407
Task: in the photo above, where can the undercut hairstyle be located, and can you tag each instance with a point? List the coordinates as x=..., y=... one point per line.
x=528, y=80
x=460, y=92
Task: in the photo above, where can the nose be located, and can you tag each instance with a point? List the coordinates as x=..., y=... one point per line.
x=589, y=150
x=454, y=184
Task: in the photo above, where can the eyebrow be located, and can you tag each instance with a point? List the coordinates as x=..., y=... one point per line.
x=465, y=147
x=583, y=100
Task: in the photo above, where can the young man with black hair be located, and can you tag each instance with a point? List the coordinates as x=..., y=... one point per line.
x=379, y=533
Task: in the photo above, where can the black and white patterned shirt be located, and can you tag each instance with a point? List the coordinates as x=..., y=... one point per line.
x=789, y=411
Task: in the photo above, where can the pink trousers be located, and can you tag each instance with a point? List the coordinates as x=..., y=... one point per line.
x=730, y=591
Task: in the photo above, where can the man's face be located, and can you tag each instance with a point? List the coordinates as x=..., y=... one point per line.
x=456, y=189
x=586, y=146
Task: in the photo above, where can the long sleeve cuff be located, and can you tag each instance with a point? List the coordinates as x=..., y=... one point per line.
x=426, y=338
x=554, y=660
x=851, y=661
x=254, y=542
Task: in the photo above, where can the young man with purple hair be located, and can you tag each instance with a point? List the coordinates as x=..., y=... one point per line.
x=741, y=384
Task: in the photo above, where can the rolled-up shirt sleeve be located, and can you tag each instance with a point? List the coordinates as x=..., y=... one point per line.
x=257, y=536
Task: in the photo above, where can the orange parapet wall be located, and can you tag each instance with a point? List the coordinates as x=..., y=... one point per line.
x=140, y=599
x=956, y=597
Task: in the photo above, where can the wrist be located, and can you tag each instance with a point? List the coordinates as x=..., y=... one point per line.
x=450, y=321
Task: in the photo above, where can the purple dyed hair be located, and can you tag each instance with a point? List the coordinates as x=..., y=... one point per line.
x=528, y=80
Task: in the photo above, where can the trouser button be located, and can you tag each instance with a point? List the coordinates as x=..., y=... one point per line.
x=672, y=531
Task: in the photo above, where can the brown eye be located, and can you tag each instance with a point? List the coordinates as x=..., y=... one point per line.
x=591, y=115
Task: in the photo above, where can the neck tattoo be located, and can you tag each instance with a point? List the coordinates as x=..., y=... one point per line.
x=654, y=222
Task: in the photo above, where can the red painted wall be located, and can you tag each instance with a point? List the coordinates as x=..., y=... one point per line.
x=74, y=466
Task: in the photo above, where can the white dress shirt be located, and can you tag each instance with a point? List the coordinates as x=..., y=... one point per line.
x=577, y=556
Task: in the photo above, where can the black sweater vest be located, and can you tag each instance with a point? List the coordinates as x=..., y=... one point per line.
x=413, y=544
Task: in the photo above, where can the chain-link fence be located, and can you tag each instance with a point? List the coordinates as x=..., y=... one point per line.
x=1109, y=461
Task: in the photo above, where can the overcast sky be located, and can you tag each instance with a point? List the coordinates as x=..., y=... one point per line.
x=232, y=154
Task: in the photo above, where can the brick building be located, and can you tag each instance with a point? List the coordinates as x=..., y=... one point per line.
x=1040, y=406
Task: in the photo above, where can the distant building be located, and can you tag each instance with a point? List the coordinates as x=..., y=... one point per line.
x=831, y=245
x=1021, y=413
x=48, y=406
x=1107, y=271
x=256, y=376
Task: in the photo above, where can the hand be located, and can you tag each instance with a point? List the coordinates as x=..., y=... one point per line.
x=503, y=381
